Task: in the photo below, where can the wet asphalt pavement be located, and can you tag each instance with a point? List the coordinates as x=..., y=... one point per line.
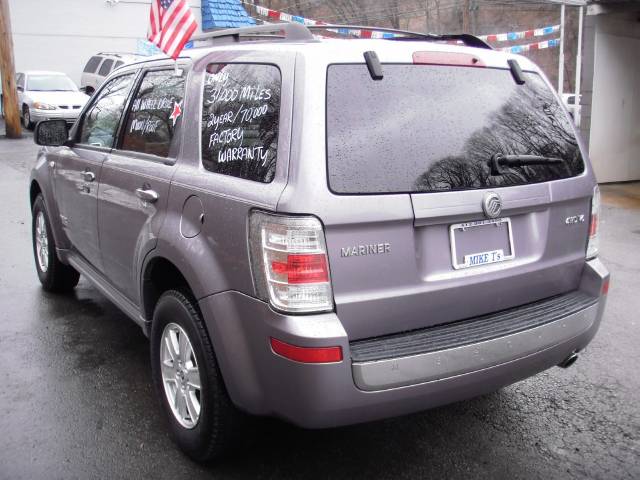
x=76, y=399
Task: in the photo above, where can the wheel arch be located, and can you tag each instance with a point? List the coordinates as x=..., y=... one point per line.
x=34, y=191
x=159, y=275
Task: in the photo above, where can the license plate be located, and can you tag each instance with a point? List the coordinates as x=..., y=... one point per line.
x=482, y=242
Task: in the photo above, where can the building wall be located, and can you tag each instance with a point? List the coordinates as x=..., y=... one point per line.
x=614, y=139
x=62, y=35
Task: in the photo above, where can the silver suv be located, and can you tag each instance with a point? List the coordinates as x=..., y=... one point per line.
x=100, y=66
x=326, y=231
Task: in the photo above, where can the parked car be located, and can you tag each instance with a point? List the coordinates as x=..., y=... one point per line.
x=326, y=231
x=48, y=95
x=100, y=66
x=569, y=100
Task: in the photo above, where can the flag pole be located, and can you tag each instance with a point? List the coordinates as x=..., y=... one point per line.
x=577, y=103
x=561, y=60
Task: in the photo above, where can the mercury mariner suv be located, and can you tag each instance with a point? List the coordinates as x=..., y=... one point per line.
x=326, y=230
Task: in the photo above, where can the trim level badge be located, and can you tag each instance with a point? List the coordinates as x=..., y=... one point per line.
x=492, y=205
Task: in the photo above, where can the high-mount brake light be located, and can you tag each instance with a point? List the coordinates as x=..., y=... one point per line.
x=593, y=243
x=447, y=58
x=289, y=262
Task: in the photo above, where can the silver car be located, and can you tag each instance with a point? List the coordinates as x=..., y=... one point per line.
x=44, y=95
x=326, y=231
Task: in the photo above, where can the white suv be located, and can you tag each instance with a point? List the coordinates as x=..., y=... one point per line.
x=100, y=66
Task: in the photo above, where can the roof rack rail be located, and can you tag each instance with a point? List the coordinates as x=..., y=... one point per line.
x=467, y=39
x=288, y=31
x=119, y=54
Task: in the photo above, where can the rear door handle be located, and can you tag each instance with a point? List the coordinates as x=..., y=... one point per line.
x=147, y=195
x=88, y=176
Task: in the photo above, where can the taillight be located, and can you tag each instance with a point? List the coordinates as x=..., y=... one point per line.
x=289, y=262
x=592, y=244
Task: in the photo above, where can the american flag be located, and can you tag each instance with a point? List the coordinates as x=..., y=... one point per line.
x=171, y=25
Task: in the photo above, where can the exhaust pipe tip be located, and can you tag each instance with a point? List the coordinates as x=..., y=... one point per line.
x=570, y=360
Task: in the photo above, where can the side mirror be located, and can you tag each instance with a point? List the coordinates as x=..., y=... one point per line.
x=20, y=89
x=51, y=133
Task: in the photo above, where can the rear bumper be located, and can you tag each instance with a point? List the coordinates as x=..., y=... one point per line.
x=326, y=395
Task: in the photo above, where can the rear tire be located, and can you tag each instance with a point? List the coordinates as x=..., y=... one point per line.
x=202, y=421
x=54, y=275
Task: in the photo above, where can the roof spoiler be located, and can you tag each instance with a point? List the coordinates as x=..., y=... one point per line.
x=466, y=38
x=303, y=33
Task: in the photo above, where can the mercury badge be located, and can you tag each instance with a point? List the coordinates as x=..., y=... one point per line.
x=492, y=205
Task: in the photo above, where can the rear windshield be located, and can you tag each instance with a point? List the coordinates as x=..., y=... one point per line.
x=425, y=128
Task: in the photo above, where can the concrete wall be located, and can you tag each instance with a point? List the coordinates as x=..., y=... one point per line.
x=612, y=112
x=62, y=35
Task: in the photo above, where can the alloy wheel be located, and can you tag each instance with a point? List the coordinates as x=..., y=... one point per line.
x=180, y=375
x=42, y=242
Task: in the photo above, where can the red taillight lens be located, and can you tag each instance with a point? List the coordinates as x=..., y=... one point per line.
x=592, y=243
x=306, y=354
x=593, y=227
x=605, y=287
x=310, y=268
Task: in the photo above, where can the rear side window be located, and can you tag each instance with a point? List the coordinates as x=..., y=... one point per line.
x=92, y=64
x=425, y=128
x=240, y=116
x=154, y=114
x=105, y=68
x=118, y=64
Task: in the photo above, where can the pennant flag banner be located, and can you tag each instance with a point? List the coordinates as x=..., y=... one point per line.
x=511, y=36
x=497, y=37
x=532, y=46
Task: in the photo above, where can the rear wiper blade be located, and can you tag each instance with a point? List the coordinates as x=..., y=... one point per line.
x=499, y=160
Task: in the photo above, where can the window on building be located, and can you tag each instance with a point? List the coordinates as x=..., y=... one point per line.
x=240, y=117
x=100, y=123
x=154, y=114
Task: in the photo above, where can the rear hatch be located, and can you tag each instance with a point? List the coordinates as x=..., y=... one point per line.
x=428, y=133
